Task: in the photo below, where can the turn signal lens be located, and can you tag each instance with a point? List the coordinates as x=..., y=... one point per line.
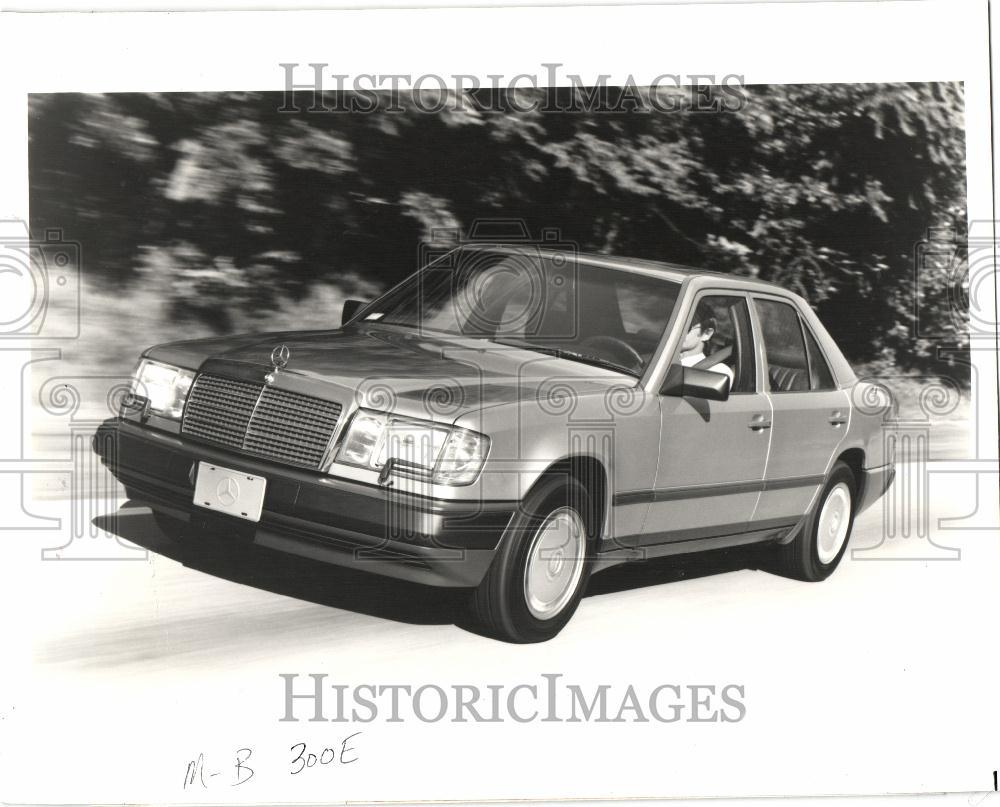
x=462, y=459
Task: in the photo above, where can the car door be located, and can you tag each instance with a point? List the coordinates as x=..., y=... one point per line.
x=712, y=453
x=810, y=415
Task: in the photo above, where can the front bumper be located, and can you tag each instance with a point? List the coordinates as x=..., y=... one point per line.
x=372, y=528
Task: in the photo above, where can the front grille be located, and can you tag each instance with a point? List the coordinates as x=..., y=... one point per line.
x=261, y=420
x=218, y=410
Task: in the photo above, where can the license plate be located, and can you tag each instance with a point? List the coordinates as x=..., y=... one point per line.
x=228, y=491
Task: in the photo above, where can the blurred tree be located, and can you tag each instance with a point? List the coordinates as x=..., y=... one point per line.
x=827, y=189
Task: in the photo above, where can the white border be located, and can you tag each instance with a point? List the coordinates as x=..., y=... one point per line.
x=776, y=43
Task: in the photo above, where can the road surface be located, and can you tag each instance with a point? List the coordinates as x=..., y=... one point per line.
x=140, y=664
x=223, y=603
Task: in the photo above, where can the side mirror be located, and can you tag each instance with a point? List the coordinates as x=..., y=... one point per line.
x=351, y=307
x=690, y=382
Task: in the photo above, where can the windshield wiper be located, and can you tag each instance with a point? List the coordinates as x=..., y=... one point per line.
x=572, y=355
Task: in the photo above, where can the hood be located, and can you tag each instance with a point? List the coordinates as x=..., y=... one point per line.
x=438, y=377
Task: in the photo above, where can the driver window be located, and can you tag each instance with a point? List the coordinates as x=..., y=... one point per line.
x=717, y=337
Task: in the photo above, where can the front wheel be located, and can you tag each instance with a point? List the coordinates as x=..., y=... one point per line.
x=538, y=577
x=819, y=547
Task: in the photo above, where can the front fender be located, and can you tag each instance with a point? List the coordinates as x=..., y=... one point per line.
x=619, y=427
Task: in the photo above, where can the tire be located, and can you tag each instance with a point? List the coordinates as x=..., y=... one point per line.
x=538, y=577
x=818, y=548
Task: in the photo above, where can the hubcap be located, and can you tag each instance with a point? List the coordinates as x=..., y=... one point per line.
x=555, y=563
x=834, y=519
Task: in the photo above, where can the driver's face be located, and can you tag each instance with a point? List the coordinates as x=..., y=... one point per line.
x=695, y=338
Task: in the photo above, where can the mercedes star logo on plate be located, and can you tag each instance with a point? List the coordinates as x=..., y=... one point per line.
x=228, y=491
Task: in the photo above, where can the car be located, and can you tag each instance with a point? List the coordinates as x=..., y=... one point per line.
x=510, y=420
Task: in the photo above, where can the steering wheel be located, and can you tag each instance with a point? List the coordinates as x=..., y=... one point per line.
x=618, y=348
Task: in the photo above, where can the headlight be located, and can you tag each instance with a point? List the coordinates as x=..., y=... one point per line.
x=447, y=455
x=163, y=385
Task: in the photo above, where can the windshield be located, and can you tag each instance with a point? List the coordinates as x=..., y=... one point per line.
x=552, y=304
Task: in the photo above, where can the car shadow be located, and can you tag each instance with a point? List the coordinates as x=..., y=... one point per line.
x=384, y=597
x=280, y=573
x=676, y=568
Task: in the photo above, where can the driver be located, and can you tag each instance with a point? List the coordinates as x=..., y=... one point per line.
x=693, y=347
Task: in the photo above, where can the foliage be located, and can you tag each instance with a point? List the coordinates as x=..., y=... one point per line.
x=828, y=189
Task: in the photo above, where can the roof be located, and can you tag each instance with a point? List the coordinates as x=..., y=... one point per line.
x=671, y=271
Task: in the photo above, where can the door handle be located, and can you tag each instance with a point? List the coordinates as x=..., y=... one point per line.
x=759, y=422
x=837, y=418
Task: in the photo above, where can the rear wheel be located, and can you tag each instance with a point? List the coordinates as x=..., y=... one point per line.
x=541, y=570
x=819, y=547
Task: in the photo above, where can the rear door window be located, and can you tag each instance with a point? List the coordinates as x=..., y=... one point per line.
x=785, y=349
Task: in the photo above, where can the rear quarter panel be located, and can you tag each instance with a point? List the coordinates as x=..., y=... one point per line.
x=871, y=408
